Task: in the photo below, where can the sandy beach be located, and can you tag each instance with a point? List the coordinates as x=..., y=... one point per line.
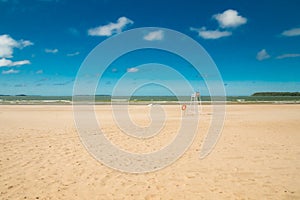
x=257, y=156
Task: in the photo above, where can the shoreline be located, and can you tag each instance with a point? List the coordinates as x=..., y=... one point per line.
x=150, y=103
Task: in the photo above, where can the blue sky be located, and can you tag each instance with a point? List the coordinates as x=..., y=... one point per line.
x=255, y=44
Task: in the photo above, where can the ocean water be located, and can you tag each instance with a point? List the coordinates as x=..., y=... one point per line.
x=140, y=99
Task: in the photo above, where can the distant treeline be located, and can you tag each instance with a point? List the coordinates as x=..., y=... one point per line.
x=290, y=94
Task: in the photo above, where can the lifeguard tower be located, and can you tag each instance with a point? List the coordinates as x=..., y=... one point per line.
x=193, y=107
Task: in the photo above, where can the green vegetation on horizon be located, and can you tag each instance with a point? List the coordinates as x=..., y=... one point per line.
x=277, y=94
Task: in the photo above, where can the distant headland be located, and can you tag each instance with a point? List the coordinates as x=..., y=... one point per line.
x=276, y=94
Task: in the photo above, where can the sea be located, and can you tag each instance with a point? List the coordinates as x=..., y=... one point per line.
x=106, y=99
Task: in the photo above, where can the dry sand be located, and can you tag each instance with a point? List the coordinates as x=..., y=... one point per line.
x=257, y=157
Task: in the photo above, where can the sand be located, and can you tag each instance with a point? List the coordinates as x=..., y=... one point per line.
x=257, y=156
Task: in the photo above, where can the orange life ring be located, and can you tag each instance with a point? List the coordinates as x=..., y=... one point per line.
x=183, y=107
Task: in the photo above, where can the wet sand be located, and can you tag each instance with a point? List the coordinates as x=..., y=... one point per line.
x=257, y=156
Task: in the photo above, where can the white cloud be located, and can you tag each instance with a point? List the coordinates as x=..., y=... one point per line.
x=22, y=62
x=10, y=71
x=51, y=50
x=4, y=62
x=132, y=70
x=73, y=54
x=154, y=35
x=39, y=71
x=111, y=28
x=211, y=34
x=25, y=43
x=230, y=18
x=291, y=55
x=262, y=55
x=8, y=63
x=7, y=45
x=291, y=32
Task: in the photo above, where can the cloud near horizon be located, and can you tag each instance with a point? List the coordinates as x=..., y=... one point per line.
x=63, y=83
x=39, y=71
x=111, y=28
x=262, y=55
x=154, y=35
x=10, y=71
x=211, y=34
x=229, y=19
